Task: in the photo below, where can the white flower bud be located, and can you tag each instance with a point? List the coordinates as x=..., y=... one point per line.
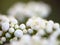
x=3, y=39
x=24, y=31
x=22, y=26
x=29, y=22
x=30, y=31
x=41, y=32
x=18, y=33
x=56, y=25
x=11, y=30
x=1, y=32
x=49, y=27
x=16, y=26
x=8, y=35
x=5, y=26
x=12, y=25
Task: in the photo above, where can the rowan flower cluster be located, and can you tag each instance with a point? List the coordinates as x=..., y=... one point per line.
x=25, y=25
x=35, y=28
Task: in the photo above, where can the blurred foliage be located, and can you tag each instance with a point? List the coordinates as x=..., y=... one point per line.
x=55, y=5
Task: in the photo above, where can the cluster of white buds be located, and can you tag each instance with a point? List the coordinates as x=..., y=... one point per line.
x=40, y=32
x=36, y=30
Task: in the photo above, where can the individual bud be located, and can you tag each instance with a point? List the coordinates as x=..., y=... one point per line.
x=22, y=26
x=16, y=26
x=49, y=26
x=11, y=25
x=8, y=35
x=24, y=31
x=56, y=26
x=41, y=32
x=18, y=33
x=29, y=22
x=30, y=31
x=11, y=30
x=3, y=39
x=5, y=26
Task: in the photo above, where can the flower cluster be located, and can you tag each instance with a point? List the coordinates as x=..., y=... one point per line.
x=16, y=30
x=23, y=10
x=36, y=30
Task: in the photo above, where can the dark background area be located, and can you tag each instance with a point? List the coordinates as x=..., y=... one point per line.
x=55, y=5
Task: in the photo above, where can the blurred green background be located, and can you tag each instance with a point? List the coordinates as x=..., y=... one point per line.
x=55, y=5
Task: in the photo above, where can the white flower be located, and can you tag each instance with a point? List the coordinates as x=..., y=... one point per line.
x=1, y=32
x=41, y=32
x=56, y=26
x=11, y=30
x=18, y=33
x=58, y=30
x=44, y=42
x=3, y=39
x=25, y=40
x=16, y=8
x=17, y=11
x=8, y=35
x=53, y=36
x=16, y=26
x=37, y=8
x=36, y=23
x=22, y=26
x=5, y=26
x=24, y=31
x=36, y=40
x=29, y=22
x=12, y=25
x=30, y=31
x=49, y=26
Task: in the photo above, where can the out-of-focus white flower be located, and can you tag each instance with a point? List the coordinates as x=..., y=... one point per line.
x=36, y=40
x=15, y=43
x=5, y=26
x=1, y=32
x=41, y=32
x=21, y=10
x=56, y=26
x=11, y=30
x=49, y=27
x=44, y=42
x=17, y=10
x=25, y=40
x=37, y=9
x=53, y=37
x=3, y=39
x=22, y=26
x=58, y=30
x=18, y=33
x=8, y=35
